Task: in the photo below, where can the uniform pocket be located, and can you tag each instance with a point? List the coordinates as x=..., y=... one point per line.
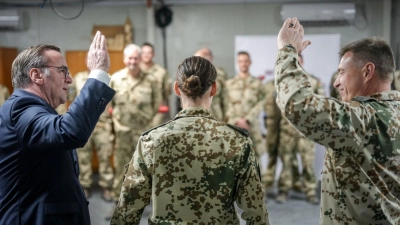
x=60, y=208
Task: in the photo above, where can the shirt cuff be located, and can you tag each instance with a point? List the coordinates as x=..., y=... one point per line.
x=100, y=75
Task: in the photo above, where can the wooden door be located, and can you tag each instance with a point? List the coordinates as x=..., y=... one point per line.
x=77, y=61
x=7, y=56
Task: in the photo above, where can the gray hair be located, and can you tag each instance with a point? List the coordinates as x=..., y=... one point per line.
x=131, y=48
x=31, y=57
x=375, y=50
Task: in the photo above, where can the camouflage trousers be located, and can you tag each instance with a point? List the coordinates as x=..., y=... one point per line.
x=125, y=145
x=102, y=142
x=288, y=147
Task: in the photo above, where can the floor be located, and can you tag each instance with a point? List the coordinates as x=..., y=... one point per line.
x=295, y=211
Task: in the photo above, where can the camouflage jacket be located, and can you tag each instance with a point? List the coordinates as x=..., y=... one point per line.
x=193, y=169
x=246, y=99
x=163, y=79
x=219, y=103
x=4, y=94
x=361, y=175
x=136, y=100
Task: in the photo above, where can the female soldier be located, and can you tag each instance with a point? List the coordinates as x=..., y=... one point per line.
x=194, y=167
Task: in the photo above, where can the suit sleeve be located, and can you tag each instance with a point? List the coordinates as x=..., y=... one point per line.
x=40, y=128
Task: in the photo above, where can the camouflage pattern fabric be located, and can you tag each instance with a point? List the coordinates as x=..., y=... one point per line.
x=101, y=140
x=134, y=105
x=361, y=175
x=246, y=100
x=292, y=142
x=165, y=85
x=4, y=94
x=193, y=169
x=272, y=121
x=397, y=80
x=62, y=109
x=219, y=103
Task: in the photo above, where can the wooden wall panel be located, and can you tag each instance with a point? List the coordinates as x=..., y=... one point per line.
x=7, y=56
x=77, y=61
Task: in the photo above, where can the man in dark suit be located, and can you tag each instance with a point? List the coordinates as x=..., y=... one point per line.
x=38, y=165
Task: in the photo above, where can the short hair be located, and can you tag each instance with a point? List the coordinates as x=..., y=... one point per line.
x=195, y=76
x=243, y=53
x=375, y=50
x=31, y=57
x=148, y=44
x=131, y=48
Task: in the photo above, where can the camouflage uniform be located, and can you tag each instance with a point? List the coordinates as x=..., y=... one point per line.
x=334, y=91
x=220, y=100
x=246, y=100
x=165, y=85
x=193, y=169
x=134, y=105
x=101, y=140
x=272, y=121
x=62, y=109
x=4, y=94
x=396, y=80
x=361, y=175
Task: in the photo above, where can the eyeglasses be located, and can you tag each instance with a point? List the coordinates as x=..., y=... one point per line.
x=62, y=69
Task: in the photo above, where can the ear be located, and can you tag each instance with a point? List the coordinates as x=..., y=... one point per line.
x=176, y=89
x=36, y=76
x=213, y=89
x=369, y=71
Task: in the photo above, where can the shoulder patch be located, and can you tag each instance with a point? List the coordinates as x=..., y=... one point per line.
x=241, y=130
x=148, y=131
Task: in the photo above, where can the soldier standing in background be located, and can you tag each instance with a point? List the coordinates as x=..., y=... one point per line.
x=245, y=101
x=272, y=121
x=101, y=140
x=4, y=94
x=148, y=66
x=134, y=105
x=219, y=103
x=292, y=142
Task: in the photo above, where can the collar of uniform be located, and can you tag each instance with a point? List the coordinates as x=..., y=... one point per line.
x=387, y=96
x=194, y=112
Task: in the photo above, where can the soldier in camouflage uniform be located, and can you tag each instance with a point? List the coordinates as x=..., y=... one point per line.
x=101, y=140
x=361, y=175
x=164, y=81
x=272, y=121
x=292, y=142
x=134, y=105
x=194, y=167
x=4, y=94
x=219, y=103
x=246, y=96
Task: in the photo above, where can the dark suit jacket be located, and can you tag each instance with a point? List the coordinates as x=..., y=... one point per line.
x=38, y=164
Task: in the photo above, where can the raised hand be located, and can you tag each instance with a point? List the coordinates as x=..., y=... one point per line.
x=97, y=57
x=292, y=32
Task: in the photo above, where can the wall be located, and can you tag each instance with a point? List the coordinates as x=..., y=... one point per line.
x=193, y=27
